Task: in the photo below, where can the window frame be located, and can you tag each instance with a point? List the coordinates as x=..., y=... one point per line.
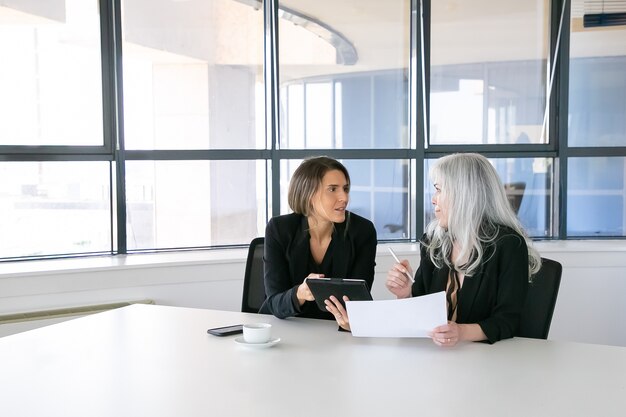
x=113, y=149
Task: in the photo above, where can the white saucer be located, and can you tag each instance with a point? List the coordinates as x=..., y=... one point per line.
x=241, y=342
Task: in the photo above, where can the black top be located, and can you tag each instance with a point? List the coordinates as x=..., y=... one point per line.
x=493, y=297
x=288, y=261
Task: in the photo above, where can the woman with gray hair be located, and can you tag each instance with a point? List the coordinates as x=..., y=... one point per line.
x=475, y=250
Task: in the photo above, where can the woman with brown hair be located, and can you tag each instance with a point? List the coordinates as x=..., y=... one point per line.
x=321, y=238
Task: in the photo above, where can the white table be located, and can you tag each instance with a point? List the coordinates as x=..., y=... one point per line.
x=147, y=360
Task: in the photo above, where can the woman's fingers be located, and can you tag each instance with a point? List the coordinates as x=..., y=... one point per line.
x=446, y=335
x=334, y=306
x=304, y=293
x=396, y=278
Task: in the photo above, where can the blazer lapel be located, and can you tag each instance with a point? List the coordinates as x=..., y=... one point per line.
x=341, y=251
x=298, y=254
x=469, y=290
x=441, y=281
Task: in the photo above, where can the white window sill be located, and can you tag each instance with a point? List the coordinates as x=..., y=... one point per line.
x=94, y=263
x=615, y=249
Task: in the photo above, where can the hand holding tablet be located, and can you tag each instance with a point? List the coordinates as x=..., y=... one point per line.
x=323, y=288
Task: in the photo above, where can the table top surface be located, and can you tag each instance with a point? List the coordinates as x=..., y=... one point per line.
x=146, y=360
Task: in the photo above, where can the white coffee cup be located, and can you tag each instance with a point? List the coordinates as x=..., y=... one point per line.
x=257, y=332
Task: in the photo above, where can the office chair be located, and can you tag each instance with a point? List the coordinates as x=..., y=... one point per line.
x=253, y=283
x=540, y=301
x=515, y=194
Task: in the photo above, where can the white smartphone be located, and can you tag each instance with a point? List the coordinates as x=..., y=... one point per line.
x=398, y=261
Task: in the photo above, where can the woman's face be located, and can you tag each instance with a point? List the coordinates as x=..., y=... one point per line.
x=331, y=198
x=441, y=207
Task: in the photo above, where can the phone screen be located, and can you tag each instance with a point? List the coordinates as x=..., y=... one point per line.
x=226, y=330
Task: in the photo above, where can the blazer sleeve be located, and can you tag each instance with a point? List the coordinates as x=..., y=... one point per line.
x=281, y=300
x=511, y=272
x=424, y=275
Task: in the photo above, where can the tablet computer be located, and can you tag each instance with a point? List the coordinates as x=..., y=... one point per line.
x=323, y=288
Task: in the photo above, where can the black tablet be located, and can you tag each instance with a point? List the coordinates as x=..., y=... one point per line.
x=323, y=288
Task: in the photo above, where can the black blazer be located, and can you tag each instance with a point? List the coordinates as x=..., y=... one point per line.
x=286, y=257
x=493, y=297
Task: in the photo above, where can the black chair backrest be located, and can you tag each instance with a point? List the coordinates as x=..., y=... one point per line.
x=540, y=301
x=253, y=282
x=515, y=194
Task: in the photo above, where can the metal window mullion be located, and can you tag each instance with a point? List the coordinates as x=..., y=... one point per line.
x=596, y=151
x=559, y=108
x=196, y=154
x=333, y=111
x=394, y=153
x=271, y=79
x=305, y=124
x=372, y=107
x=108, y=108
x=108, y=76
x=112, y=49
x=420, y=70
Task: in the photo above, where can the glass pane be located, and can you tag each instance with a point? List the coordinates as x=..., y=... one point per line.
x=176, y=204
x=193, y=75
x=343, y=74
x=488, y=71
x=50, y=75
x=595, y=197
x=597, y=83
x=54, y=208
x=378, y=192
x=528, y=184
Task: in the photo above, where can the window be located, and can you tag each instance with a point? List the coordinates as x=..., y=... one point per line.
x=193, y=84
x=596, y=126
x=56, y=175
x=489, y=84
x=193, y=76
x=51, y=69
x=51, y=208
x=344, y=87
x=178, y=204
x=528, y=183
x=377, y=191
x=166, y=125
x=596, y=197
x=488, y=72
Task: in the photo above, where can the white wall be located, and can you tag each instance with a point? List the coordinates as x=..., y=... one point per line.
x=590, y=307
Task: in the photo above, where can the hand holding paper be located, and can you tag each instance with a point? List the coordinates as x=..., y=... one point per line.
x=409, y=317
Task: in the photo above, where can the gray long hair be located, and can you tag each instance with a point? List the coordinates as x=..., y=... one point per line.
x=477, y=207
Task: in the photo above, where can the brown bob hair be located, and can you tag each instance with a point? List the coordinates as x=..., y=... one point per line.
x=307, y=179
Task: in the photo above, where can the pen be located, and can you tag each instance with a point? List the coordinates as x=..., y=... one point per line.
x=398, y=261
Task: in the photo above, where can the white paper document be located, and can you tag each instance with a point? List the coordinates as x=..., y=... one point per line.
x=409, y=317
